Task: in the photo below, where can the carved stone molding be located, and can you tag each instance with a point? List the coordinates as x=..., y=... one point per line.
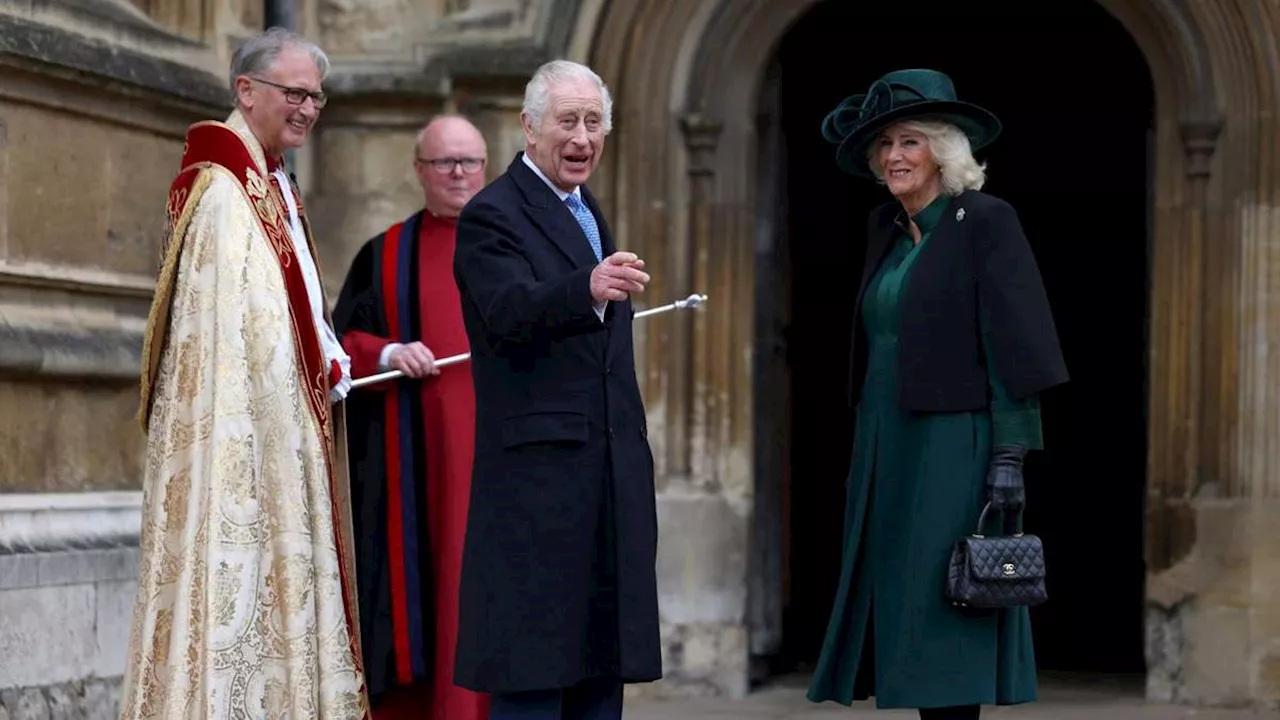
x=126, y=22
x=51, y=50
x=82, y=281
x=492, y=40
x=701, y=136
x=1200, y=140
x=546, y=24
x=481, y=16
x=69, y=521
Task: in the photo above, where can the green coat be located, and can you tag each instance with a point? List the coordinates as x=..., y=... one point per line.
x=916, y=485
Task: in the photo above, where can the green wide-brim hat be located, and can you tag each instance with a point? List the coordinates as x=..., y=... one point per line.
x=901, y=95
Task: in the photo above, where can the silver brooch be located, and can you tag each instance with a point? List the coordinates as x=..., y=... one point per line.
x=960, y=214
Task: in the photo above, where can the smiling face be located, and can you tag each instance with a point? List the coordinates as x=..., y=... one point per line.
x=264, y=100
x=568, y=142
x=906, y=164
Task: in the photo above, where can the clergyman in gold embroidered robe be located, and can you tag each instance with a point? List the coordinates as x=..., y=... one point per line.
x=246, y=602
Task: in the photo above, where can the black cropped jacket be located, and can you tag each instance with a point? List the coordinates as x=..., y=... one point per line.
x=977, y=261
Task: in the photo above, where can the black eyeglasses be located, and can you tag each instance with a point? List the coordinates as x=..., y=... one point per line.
x=296, y=96
x=444, y=166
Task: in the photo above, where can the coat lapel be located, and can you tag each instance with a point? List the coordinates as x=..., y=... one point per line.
x=552, y=217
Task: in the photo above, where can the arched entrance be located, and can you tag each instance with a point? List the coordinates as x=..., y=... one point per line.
x=1074, y=162
x=690, y=182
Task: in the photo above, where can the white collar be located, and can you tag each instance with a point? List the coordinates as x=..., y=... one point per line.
x=538, y=171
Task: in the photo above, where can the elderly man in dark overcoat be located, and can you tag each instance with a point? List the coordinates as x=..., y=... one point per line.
x=559, y=595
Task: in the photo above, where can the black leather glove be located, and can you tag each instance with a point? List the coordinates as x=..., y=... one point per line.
x=1004, y=478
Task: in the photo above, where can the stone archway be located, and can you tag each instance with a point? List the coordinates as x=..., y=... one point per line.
x=680, y=186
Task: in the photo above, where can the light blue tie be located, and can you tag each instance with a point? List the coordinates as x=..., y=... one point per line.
x=588, y=223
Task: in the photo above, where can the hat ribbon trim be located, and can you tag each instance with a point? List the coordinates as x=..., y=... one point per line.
x=878, y=100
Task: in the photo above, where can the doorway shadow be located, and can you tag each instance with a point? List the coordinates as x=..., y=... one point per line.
x=1074, y=161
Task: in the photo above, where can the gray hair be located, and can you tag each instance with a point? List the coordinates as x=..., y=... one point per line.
x=951, y=150
x=537, y=92
x=258, y=53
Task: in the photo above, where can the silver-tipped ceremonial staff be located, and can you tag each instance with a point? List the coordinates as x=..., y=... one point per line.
x=689, y=303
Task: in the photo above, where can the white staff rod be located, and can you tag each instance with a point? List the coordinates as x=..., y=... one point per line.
x=689, y=303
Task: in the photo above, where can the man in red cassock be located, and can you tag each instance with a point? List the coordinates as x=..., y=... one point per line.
x=410, y=441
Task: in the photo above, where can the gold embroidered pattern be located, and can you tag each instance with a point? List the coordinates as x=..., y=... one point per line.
x=173, y=210
x=256, y=185
x=307, y=347
x=226, y=588
x=157, y=330
x=241, y=608
x=269, y=205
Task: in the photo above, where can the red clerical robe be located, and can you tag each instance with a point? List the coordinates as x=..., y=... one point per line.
x=410, y=444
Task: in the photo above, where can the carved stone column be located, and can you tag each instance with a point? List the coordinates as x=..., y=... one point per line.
x=1204, y=269
x=1182, y=565
x=704, y=525
x=1200, y=138
x=691, y=393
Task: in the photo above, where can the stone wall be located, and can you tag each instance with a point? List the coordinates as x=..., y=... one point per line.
x=90, y=136
x=68, y=575
x=91, y=699
x=94, y=103
x=1212, y=629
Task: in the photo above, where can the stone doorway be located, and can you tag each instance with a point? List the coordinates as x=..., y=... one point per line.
x=1076, y=162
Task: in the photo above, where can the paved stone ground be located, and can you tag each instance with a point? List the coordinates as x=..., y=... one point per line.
x=1061, y=699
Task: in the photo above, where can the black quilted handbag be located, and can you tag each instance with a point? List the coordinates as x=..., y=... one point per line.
x=1002, y=571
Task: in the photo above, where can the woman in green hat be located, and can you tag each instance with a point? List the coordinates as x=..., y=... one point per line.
x=953, y=340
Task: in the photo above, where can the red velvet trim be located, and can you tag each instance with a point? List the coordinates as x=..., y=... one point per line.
x=179, y=195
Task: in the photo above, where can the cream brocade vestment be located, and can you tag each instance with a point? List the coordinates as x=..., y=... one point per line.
x=241, y=611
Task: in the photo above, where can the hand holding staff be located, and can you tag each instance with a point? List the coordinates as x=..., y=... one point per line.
x=689, y=303
x=414, y=359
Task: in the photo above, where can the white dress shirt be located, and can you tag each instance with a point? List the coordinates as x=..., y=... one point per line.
x=328, y=340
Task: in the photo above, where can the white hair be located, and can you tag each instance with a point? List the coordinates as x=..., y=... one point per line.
x=950, y=149
x=537, y=93
x=257, y=54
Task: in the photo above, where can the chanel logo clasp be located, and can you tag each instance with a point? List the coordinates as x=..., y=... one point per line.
x=1008, y=569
